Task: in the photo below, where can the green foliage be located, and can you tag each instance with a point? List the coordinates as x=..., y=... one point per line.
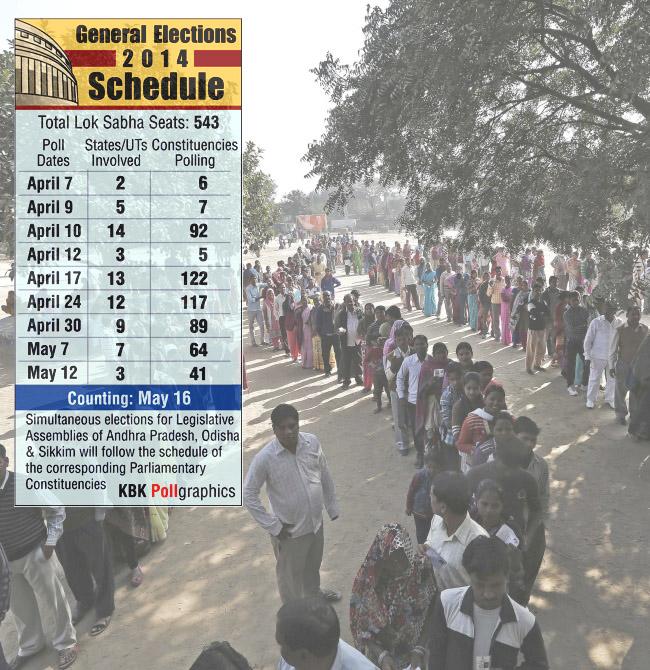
x=259, y=209
x=295, y=203
x=515, y=121
x=7, y=157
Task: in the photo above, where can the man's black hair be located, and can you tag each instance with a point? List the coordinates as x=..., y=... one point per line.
x=464, y=345
x=454, y=368
x=479, y=366
x=494, y=388
x=471, y=377
x=489, y=486
x=524, y=424
x=3, y=451
x=421, y=337
x=380, y=308
x=486, y=556
x=394, y=312
x=405, y=328
x=282, y=412
x=502, y=415
x=310, y=624
x=510, y=451
x=452, y=489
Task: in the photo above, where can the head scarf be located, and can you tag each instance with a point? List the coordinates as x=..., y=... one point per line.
x=390, y=343
x=399, y=604
x=270, y=297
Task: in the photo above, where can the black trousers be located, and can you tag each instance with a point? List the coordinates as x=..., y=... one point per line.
x=575, y=348
x=351, y=363
x=380, y=384
x=418, y=438
x=326, y=343
x=533, y=557
x=283, y=335
x=422, y=528
x=86, y=559
x=411, y=293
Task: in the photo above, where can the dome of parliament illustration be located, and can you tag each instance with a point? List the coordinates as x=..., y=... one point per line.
x=43, y=71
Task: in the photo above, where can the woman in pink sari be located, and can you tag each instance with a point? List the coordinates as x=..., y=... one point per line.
x=304, y=334
x=506, y=300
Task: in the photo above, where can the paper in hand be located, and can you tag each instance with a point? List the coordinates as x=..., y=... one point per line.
x=436, y=559
x=508, y=536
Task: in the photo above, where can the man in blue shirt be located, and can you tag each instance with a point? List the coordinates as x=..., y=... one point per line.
x=329, y=282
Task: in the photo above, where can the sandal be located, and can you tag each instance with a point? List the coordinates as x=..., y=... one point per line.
x=136, y=577
x=100, y=626
x=68, y=656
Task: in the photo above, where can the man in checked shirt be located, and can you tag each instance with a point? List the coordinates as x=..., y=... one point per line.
x=298, y=484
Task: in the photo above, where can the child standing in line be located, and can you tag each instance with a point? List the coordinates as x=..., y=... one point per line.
x=527, y=431
x=501, y=427
x=464, y=354
x=489, y=513
x=418, y=498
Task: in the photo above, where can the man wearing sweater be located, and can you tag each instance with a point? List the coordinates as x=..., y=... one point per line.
x=29, y=543
x=576, y=322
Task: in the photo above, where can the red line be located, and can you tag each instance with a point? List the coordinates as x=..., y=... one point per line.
x=217, y=58
x=92, y=58
x=67, y=108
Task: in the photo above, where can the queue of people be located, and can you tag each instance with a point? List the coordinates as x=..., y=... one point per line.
x=457, y=598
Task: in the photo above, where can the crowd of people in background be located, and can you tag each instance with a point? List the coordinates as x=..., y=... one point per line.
x=557, y=320
x=479, y=497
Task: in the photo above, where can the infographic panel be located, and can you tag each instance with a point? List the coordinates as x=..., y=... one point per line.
x=128, y=262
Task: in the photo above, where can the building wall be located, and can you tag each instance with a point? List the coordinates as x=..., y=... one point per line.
x=43, y=71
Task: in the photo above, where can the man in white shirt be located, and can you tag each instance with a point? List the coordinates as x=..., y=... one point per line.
x=408, y=380
x=409, y=284
x=298, y=484
x=597, y=344
x=254, y=309
x=452, y=529
x=308, y=632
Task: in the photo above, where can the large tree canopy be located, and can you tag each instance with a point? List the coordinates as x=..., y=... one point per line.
x=505, y=120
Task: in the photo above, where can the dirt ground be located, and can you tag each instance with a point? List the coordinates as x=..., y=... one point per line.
x=213, y=579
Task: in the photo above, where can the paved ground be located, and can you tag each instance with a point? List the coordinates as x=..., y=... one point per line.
x=214, y=579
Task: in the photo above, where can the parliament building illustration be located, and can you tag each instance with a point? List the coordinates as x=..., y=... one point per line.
x=43, y=71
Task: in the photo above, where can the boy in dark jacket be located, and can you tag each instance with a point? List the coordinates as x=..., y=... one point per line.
x=480, y=626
